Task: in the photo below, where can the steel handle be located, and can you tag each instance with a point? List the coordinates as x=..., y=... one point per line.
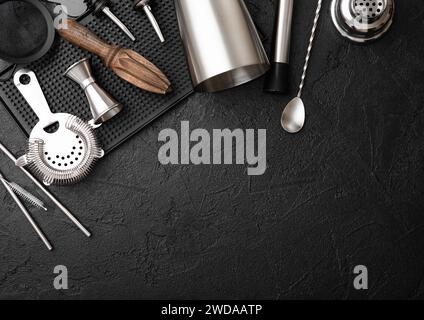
x=27, y=214
x=277, y=79
x=26, y=82
x=283, y=30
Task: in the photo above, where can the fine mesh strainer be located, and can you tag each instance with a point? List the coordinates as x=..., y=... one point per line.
x=62, y=148
x=362, y=21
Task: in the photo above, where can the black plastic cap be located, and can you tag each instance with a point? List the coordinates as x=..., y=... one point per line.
x=277, y=80
x=140, y=4
x=97, y=6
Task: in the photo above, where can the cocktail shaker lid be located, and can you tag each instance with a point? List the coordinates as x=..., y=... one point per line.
x=362, y=20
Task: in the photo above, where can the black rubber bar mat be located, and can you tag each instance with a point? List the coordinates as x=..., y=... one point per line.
x=140, y=107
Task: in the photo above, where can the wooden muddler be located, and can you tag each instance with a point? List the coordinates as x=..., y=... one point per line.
x=126, y=63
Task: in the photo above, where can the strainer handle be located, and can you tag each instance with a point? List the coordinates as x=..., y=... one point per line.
x=26, y=82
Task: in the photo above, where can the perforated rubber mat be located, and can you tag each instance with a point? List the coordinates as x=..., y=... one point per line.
x=140, y=107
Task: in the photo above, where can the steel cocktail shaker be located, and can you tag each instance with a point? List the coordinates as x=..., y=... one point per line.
x=221, y=42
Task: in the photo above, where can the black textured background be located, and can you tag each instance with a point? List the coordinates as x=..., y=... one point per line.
x=346, y=191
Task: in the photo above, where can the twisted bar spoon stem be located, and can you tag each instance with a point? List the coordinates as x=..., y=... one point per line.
x=293, y=117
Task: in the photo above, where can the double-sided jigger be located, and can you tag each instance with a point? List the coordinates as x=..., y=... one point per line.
x=102, y=105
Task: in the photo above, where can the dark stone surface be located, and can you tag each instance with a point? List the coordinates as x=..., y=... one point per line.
x=348, y=190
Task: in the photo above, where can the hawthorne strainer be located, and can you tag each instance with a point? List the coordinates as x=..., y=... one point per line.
x=62, y=148
x=362, y=21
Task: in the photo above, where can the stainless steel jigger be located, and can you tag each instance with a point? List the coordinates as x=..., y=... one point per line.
x=102, y=105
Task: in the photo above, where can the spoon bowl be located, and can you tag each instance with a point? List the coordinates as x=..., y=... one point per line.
x=293, y=118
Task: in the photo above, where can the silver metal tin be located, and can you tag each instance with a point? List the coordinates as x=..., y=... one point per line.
x=222, y=44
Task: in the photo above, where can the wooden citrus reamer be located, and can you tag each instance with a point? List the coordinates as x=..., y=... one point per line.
x=126, y=63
